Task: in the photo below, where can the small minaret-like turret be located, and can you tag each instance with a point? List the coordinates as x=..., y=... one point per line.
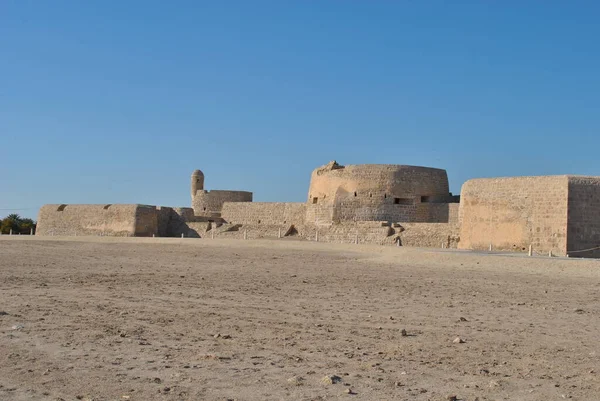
x=197, y=182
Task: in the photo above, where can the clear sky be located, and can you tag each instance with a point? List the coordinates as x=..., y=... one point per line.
x=118, y=101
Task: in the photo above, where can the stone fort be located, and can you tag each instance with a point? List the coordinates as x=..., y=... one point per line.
x=370, y=203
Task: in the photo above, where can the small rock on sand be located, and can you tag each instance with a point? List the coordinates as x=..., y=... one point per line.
x=458, y=340
x=331, y=379
x=296, y=380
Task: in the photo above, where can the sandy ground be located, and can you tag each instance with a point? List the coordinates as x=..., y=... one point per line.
x=171, y=319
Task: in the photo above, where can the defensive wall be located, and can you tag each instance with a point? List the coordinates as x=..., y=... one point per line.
x=113, y=220
x=378, y=204
x=271, y=213
x=119, y=220
x=514, y=213
x=583, y=229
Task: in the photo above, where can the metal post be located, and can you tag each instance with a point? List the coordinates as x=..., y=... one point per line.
x=530, y=250
x=317, y=236
x=10, y=232
x=245, y=234
x=31, y=233
x=279, y=234
x=550, y=253
x=356, y=239
x=153, y=235
x=181, y=235
x=212, y=234
x=490, y=247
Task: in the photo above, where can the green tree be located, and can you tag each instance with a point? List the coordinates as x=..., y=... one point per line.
x=17, y=224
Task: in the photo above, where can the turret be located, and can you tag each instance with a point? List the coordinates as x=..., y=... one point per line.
x=197, y=182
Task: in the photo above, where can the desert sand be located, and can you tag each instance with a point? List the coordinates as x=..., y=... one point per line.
x=190, y=319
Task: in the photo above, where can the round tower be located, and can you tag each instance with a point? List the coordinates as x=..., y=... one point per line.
x=197, y=182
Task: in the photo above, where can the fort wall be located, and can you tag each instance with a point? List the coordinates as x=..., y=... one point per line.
x=211, y=202
x=274, y=213
x=513, y=213
x=70, y=220
x=583, y=230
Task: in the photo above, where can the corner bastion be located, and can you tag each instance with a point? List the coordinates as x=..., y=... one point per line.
x=378, y=192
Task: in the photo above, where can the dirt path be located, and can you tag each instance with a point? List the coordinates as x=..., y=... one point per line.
x=159, y=319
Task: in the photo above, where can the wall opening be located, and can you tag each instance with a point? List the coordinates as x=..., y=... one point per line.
x=258, y=221
x=384, y=196
x=370, y=195
x=403, y=201
x=315, y=200
x=355, y=193
x=425, y=199
x=107, y=206
x=61, y=208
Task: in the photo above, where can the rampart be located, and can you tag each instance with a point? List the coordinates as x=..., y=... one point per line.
x=583, y=229
x=211, y=202
x=513, y=213
x=114, y=220
x=275, y=213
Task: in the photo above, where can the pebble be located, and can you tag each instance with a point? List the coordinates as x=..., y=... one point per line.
x=296, y=380
x=403, y=333
x=350, y=391
x=331, y=379
x=452, y=398
x=458, y=340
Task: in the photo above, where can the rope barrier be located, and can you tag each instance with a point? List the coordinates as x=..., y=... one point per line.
x=584, y=250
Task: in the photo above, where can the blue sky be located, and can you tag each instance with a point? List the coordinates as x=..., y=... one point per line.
x=118, y=101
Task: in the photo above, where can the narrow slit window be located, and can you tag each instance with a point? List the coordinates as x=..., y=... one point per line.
x=403, y=201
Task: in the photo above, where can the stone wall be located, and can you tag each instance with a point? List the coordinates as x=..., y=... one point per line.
x=114, y=220
x=430, y=235
x=146, y=221
x=583, y=231
x=513, y=213
x=264, y=213
x=211, y=202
